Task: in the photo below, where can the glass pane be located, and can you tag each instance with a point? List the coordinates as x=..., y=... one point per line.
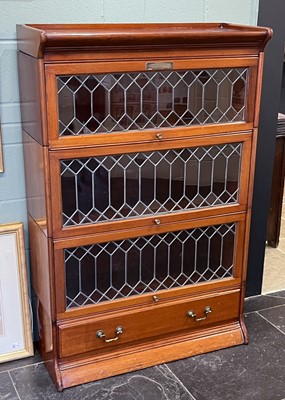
x=108, y=271
x=89, y=104
x=105, y=188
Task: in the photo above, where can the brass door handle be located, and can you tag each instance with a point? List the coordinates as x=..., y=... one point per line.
x=101, y=335
x=193, y=315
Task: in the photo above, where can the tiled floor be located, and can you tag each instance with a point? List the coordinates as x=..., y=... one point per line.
x=274, y=263
x=253, y=372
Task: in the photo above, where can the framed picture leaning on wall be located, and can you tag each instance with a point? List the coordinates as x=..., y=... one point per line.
x=15, y=317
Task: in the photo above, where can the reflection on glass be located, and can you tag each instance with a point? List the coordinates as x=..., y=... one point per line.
x=130, y=185
x=108, y=271
x=146, y=100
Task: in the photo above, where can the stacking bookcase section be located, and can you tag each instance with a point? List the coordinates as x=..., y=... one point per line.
x=140, y=146
x=131, y=185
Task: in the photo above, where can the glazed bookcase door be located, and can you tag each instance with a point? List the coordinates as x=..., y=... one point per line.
x=120, y=187
x=127, y=268
x=130, y=102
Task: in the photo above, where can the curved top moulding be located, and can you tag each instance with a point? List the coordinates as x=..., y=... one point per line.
x=36, y=40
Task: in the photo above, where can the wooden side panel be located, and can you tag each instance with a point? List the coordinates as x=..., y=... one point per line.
x=43, y=285
x=35, y=180
x=32, y=94
x=41, y=262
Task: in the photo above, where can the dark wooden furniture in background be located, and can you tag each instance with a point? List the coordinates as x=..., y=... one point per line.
x=140, y=148
x=277, y=190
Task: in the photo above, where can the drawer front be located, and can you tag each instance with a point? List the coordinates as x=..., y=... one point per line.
x=105, y=332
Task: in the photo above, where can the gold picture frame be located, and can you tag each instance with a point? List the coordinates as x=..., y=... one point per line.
x=15, y=315
x=1, y=152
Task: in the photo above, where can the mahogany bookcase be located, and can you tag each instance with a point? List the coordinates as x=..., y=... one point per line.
x=139, y=144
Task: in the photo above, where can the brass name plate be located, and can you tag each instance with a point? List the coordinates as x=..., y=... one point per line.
x=156, y=66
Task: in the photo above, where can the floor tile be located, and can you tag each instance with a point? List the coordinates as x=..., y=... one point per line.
x=278, y=294
x=156, y=383
x=34, y=382
x=274, y=264
x=257, y=303
x=7, y=366
x=153, y=383
x=276, y=316
x=7, y=390
x=281, y=246
x=253, y=372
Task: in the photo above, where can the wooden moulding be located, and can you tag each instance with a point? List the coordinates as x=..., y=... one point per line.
x=154, y=229
x=166, y=295
x=38, y=39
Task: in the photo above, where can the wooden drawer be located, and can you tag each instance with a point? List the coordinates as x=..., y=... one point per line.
x=145, y=323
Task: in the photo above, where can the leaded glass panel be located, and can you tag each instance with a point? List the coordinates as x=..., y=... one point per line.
x=113, y=187
x=120, y=269
x=102, y=103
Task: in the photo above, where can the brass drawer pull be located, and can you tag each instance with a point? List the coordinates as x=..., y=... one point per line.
x=192, y=314
x=159, y=136
x=157, y=221
x=101, y=335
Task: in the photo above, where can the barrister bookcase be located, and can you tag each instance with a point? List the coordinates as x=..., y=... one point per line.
x=139, y=144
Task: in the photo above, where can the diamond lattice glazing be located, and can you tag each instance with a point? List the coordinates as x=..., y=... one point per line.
x=130, y=185
x=99, y=103
x=108, y=271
